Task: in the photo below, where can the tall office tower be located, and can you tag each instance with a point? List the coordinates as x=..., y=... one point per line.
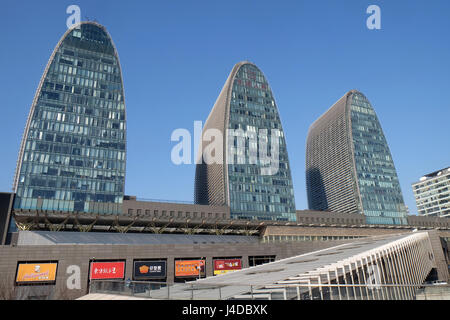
x=349, y=167
x=246, y=114
x=72, y=155
x=432, y=194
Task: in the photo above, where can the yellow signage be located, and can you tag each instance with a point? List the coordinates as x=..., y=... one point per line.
x=36, y=272
x=216, y=272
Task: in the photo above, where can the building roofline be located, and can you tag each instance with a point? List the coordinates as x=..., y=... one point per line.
x=431, y=175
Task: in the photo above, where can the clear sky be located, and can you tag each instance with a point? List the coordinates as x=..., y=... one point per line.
x=176, y=56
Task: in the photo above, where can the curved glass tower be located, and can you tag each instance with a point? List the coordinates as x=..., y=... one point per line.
x=72, y=155
x=349, y=167
x=246, y=114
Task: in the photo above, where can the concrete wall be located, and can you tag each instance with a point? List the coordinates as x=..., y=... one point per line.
x=6, y=202
x=329, y=231
x=160, y=209
x=323, y=217
x=80, y=255
x=428, y=221
x=439, y=255
x=339, y=231
x=329, y=218
x=439, y=292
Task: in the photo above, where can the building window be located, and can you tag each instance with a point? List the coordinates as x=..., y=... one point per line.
x=257, y=260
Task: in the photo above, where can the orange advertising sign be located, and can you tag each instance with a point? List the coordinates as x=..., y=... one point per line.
x=189, y=268
x=36, y=272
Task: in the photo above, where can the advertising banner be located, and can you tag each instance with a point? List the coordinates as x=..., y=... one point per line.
x=226, y=265
x=107, y=270
x=36, y=272
x=189, y=268
x=149, y=270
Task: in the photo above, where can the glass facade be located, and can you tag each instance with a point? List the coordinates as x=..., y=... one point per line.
x=349, y=167
x=73, y=151
x=379, y=188
x=253, y=195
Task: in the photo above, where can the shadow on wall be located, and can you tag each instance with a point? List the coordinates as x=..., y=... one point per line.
x=445, y=248
x=200, y=187
x=317, y=199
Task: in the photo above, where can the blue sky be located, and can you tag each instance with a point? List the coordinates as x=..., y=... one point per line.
x=176, y=56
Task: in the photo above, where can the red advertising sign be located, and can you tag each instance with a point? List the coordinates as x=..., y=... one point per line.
x=227, y=265
x=107, y=270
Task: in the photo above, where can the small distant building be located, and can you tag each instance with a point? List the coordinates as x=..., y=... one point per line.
x=432, y=194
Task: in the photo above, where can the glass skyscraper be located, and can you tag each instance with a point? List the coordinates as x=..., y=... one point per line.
x=247, y=107
x=72, y=155
x=349, y=167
